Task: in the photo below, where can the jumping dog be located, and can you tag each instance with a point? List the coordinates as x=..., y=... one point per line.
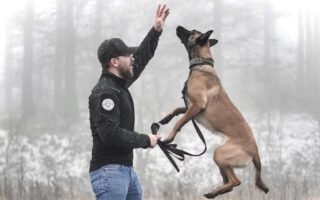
x=208, y=103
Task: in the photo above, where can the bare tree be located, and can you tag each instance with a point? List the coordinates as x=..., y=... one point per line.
x=58, y=60
x=8, y=96
x=71, y=109
x=301, y=75
x=218, y=25
x=268, y=59
x=27, y=103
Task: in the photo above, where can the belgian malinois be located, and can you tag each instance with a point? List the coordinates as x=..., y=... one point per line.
x=209, y=104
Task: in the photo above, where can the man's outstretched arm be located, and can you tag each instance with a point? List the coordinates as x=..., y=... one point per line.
x=149, y=44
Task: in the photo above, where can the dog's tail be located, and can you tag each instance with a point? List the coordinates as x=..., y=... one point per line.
x=259, y=182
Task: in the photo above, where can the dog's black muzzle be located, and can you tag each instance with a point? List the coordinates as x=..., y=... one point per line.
x=183, y=34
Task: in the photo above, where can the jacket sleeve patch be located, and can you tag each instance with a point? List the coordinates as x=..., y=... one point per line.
x=108, y=103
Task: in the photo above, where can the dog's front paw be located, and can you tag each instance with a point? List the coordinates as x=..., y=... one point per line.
x=210, y=195
x=166, y=120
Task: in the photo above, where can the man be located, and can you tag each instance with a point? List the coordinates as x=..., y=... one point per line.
x=112, y=115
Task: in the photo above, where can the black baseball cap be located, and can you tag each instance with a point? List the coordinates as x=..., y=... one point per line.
x=112, y=48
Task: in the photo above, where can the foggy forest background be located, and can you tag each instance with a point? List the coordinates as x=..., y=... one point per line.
x=267, y=59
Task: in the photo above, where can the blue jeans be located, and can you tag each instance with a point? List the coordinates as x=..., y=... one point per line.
x=116, y=182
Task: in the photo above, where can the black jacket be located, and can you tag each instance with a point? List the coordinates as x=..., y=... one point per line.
x=112, y=112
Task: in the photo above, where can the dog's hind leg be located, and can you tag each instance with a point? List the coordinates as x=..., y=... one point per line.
x=227, y=157
x=227, y=187
x=174, y=113
x=224, y=176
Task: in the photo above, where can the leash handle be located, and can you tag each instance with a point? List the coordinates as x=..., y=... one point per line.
x=164, y=147
x=154, y=128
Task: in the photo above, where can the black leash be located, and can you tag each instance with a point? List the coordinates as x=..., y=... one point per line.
x=171, y=149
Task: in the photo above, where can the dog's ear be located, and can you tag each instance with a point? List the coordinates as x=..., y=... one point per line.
x=202, y=40
x=213, y=42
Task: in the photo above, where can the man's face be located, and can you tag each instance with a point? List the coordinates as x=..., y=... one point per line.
x=126, y=66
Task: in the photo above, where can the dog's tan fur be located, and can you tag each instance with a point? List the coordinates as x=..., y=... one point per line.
x=209, y=104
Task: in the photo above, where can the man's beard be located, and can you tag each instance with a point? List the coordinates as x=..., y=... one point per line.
x=127, y=73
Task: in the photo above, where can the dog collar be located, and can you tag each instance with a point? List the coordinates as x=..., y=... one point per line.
x=200, y=61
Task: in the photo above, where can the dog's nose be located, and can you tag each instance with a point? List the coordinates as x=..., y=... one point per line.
x=179, y=29
x=182, y=32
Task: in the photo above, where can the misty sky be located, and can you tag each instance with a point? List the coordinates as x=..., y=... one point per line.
x=286, y=25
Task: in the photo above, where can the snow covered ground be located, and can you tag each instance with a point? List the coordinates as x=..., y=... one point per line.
x=288, y=144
